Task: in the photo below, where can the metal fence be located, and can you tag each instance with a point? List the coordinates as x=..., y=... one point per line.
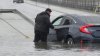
x=81, y=4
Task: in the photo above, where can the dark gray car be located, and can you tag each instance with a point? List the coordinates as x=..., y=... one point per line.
x=18, y=1
x=72, y=28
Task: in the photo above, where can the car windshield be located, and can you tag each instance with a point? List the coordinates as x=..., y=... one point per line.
x=91, y=19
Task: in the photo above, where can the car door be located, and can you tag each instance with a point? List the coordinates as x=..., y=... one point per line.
x=63, y=29
x=52, y=36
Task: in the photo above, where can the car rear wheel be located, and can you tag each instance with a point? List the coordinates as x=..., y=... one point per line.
x=69, y=41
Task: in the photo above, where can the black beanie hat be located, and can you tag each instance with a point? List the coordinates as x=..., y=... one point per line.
x=48, y=9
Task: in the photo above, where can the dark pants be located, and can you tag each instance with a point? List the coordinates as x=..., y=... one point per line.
x=40, y=36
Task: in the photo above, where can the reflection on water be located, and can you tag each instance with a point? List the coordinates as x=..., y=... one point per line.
x=90, y=46
x=60, y=46
x=41, y=45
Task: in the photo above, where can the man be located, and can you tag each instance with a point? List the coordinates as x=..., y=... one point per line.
x=42, y=25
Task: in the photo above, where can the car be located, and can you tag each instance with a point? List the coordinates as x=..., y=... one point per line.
x=18, y=1
x=74, y=28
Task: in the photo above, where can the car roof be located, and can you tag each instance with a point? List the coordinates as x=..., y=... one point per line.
x=77, y=17
x=89, y=14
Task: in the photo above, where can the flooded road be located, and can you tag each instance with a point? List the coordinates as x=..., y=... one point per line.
x=13, y=41
x=28, y=48
x=59, y=49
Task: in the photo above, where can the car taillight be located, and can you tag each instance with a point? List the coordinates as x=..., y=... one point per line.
x=84, y=29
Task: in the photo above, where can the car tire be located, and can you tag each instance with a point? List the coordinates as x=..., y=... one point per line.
x=69, y=41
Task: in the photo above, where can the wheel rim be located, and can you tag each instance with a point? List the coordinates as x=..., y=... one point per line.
x=70, y=41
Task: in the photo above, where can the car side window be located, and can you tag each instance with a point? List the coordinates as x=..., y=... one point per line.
x=66, y=22
x=58, y=21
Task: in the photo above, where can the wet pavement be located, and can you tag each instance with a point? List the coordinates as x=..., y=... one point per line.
x=59, y=49
x=17, y=34
x=22, y=48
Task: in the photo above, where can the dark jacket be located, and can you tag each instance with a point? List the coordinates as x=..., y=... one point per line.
x=42, y=22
